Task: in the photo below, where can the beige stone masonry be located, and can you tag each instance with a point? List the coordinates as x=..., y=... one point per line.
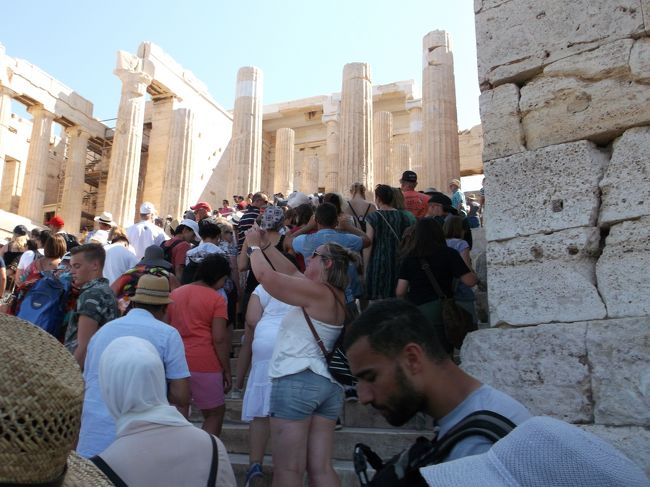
x=439, y=118
x=33, y=194
x=355, y=131
x=160, y=140
x=179, y=166
x=382, y=135
x=414, y=108
x=518, y=38
x=124, y=170
x=401, y=161
x=247, y=132
x=332, y=152
x=566, y=179
x=5, y=116
x=545, y=278
x=621, y=269
x=503, y=134
x=640, y=60
x=284, y=161
x=544, y=367
x=74, y=178
x=626, y=185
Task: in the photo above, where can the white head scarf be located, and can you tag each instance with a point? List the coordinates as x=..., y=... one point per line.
x=133, y=386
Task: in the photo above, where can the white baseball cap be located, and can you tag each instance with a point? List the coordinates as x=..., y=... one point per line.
x=186, y=222
x=541, y=451
x=147, y=208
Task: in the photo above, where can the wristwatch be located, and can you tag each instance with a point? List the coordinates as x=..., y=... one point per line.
x=252, y=248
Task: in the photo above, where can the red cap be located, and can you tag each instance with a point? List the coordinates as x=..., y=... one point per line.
x=202, y=205
x=56, y=221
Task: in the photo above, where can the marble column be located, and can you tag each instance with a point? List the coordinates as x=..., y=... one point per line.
x=414, y=108
x=440, y=137
x=246, y=138
x=298, y=170
x=331, y=122
x=401, y=161
x=33, y=193
x=75, y=170
x=161, y=139
x=284, y=161
x=311, y=174
x=355, y=135
x=382, y=133
x=179, y=167
x=5, y=118
x=124, y=169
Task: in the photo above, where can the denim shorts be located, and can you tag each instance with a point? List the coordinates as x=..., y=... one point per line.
x=298, y=396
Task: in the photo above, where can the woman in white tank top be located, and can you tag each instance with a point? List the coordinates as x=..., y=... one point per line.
x=305, y=399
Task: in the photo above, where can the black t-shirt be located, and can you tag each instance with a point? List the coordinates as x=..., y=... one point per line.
x=445, y=264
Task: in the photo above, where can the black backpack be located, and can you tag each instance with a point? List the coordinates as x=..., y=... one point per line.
x=70, y=241
x=189, y=272
x=167, y=249
x=404, y=468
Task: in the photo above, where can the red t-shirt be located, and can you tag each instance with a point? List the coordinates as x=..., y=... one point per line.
x=191, y=313
x=179, y=251
x=416, y=203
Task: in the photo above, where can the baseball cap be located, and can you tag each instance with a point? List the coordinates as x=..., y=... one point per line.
x=186, y=222
x=202, y=205
x=57, y=221
x=441, y=199
x=409, y=177
x=147, y=208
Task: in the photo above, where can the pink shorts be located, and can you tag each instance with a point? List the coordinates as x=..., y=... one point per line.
x=206, y=389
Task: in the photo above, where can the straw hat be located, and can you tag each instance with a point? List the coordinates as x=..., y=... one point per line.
x=152, y=290
x=41, y=394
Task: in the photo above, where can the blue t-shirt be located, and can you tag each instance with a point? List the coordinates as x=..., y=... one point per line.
x=97, y=424
x=483, y=398
x=306, y=244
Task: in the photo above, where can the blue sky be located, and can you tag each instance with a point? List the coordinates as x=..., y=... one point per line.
x=300, y=45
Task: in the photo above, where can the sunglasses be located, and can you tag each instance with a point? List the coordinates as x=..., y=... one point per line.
x=318, y=254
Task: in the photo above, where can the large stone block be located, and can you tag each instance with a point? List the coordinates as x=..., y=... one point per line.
x=626, y=185
x=517, y=38
x=619, y=354
x=544, y=367
x=640, y=60
x=633, y=441
x=545, y=278
x=581, y=109
x=543, y=190
x=622, y=269
x=609, y=60
x=502, y=134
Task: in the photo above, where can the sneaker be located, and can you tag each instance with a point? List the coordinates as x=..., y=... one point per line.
x=236, y=394
x=339, y=425
x=351, y=395
x=254, y=476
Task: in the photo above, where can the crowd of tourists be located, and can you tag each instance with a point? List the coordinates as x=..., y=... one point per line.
x=341, y=298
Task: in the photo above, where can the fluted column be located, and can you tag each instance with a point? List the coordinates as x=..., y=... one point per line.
x=284, y=161
x=5, y=117
x=179, y=168
x=440, y=138
x=414, y=108
x=33, y=193
x=355, y=136
x=75, y=170
x=382, y=133
x=161, y=139
x=331, y=122
x=246, y=138
x=401, y=161
x=124, y=169
x=310, y=176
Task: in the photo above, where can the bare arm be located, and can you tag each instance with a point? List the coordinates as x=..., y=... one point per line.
x=402, y=288
x=3, y=280
x=179, y=392
x=242, y=258
x=469, y=279
x=466, y=258
x=221, y=344
x=253, y=314
x=86, y=328
x=370, y=233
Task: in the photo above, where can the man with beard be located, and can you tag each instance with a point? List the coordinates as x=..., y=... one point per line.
x=402, y=369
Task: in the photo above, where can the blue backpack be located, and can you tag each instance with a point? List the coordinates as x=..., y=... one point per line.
x=44, y=304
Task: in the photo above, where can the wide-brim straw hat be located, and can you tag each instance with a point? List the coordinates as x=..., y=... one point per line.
x=41, y=395
x=152, y=290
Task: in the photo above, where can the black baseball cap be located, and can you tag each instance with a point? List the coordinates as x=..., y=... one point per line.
x=409, y=177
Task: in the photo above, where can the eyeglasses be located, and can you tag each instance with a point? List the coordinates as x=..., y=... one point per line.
x=318, y=254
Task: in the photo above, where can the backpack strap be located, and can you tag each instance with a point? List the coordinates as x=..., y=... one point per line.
x=365, y=213
x=214, y=466
x=488, y=424
x=108, y=471
x=434, y=283
x=356, y=217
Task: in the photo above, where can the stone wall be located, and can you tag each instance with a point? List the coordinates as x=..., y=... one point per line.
x=564, y=109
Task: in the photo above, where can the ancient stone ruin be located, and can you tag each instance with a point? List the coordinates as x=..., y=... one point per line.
x=565, y=113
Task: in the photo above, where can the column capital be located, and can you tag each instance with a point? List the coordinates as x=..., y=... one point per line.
x=78, y=131
x=133, y=81
x=413, y=104
x=330, y=117
x=40, y=111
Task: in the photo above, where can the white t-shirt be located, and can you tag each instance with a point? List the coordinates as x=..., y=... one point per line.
x=144, y=234
x=27, y=258
x=97, y=424
x=119, y=259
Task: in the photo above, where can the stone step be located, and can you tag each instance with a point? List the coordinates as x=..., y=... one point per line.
x=345, y=470
x=385, y=442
